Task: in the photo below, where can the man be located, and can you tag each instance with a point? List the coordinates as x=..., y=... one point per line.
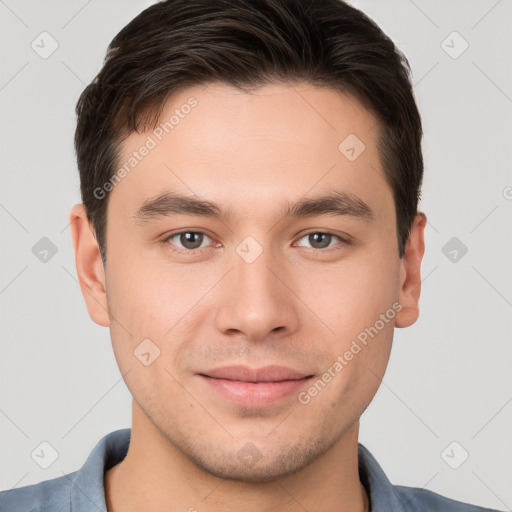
x=250, y=173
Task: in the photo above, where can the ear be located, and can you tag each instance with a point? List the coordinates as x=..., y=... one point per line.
x=410, y=275
x=89, y=265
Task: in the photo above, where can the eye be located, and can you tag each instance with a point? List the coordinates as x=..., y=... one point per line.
x=320, y=240
x=187, y=240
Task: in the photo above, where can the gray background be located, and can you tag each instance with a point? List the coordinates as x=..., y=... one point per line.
x=449, y=375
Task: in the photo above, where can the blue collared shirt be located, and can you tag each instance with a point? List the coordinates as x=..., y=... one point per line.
x=83, y=490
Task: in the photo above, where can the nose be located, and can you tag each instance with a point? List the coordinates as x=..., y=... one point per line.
x=257, y=299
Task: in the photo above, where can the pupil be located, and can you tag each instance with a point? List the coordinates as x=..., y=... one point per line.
x=189, y=242
x=324, y=236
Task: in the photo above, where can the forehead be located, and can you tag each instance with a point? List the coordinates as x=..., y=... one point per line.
x=275, y=144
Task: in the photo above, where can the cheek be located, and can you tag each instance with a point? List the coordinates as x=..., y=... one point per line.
x=358, y=302
x=156, y=301
x=352, y=294
x=150, y=296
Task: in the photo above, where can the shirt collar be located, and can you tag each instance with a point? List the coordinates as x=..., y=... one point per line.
x=87, y=489
x=381, y=492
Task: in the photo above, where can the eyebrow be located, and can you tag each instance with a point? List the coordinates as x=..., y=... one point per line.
x=336, y=203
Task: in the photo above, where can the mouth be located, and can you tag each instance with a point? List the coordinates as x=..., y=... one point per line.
x=255, y=387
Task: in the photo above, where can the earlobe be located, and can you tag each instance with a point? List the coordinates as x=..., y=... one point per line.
x=89, y=265
x=410, y=273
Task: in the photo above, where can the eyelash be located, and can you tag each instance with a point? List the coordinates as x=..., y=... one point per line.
x=343, y=241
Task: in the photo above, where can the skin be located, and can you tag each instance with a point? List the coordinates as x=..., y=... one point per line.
x=209, y=307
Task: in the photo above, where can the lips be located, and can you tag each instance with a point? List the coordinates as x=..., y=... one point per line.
x=245, y=374
x=256, y=388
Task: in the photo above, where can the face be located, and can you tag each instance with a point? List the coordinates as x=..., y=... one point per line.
x=254, y=333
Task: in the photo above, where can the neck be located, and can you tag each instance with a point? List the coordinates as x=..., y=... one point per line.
x=157, y=476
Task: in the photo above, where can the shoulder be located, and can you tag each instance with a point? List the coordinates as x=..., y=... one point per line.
x=46, y=496
x=82, y=490
x=384, y=496
x=422, y=500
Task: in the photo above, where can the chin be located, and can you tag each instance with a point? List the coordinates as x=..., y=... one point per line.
x=250, y=464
